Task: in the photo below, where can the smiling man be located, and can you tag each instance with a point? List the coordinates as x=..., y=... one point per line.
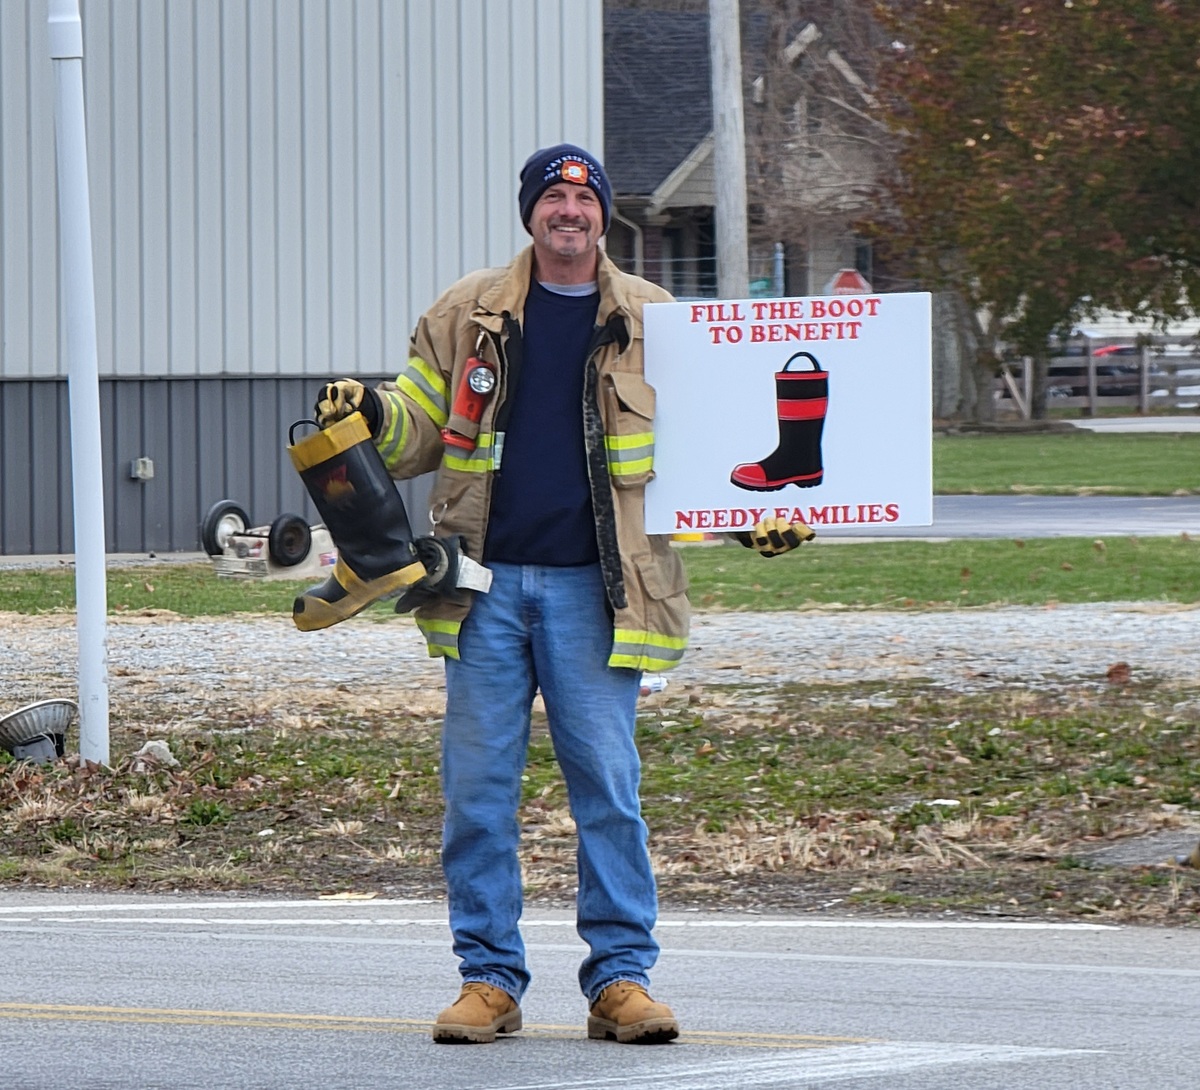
x=560, y=545
x=524, y=390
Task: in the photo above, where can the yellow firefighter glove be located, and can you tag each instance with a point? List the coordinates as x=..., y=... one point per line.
x=774, y=536
x=344, y=396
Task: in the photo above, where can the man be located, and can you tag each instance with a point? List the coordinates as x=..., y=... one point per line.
x=524, y=390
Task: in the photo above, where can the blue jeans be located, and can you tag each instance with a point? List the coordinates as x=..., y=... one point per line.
x=548, y=628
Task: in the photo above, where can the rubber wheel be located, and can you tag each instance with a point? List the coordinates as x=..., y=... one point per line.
x=289, y=540
x=224, y=519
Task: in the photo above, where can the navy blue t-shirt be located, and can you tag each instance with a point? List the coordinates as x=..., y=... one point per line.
x=541, y=509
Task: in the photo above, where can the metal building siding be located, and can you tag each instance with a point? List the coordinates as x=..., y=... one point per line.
x=279, y=189
x=28, y=214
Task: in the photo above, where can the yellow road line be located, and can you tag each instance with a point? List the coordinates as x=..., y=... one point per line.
x=61, y=1012
x=193, y=1013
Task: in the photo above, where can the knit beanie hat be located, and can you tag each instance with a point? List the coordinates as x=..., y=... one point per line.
x=562, y=163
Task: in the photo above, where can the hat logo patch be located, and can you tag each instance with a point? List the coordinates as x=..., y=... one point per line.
x=574, y=171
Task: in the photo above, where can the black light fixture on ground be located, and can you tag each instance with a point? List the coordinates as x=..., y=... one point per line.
x=38, y=732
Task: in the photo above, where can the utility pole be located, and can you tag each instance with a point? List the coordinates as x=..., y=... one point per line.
x=729, y=149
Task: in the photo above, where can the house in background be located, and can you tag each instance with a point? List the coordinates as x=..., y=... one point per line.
x=813, y=151
x=658, y=147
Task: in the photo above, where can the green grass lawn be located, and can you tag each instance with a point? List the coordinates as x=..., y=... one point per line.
x=1079, y=462
x=947, y=574
x=866, y=574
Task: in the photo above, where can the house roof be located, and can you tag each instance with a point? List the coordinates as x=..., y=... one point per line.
x=657, y=95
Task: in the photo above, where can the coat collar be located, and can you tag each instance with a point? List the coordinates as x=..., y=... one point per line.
x=507, y=295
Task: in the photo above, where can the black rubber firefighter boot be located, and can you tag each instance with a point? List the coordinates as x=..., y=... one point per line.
x=365, y=517
x=801, y=400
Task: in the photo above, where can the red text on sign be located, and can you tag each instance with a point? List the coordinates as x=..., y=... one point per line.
x=741, y=518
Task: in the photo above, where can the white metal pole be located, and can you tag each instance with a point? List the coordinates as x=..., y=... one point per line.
x=729, y=149
x=83, y=380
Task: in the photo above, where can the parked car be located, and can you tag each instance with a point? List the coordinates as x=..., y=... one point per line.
x=1117, y=371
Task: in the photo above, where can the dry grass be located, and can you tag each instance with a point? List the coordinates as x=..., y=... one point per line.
x=756, y=794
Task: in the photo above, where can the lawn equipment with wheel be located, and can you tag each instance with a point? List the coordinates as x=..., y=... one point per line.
x=289, y=548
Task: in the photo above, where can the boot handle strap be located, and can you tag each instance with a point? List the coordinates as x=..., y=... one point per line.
x=297, y=424
x=807, y=355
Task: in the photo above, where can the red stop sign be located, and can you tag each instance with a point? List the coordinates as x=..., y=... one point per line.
x=848, y=282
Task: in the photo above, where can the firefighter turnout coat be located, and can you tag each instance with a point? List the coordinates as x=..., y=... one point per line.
x=479, y=318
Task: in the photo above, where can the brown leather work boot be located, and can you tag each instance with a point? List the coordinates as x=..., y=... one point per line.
x=477, y=1015
x=624, y=1012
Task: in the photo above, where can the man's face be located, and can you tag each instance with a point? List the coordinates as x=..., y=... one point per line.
x=567, y=221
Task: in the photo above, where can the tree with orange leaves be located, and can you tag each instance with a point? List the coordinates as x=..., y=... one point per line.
x=1049, y=158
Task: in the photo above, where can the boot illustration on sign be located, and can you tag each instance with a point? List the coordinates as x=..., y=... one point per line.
x=801, y=400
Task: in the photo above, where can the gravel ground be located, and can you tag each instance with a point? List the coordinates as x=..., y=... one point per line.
x=266, y=657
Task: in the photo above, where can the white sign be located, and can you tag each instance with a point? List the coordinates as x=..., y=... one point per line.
x=815, y=409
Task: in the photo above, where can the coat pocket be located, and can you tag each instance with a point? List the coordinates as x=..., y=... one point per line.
x=628, y=429
x=661, y=572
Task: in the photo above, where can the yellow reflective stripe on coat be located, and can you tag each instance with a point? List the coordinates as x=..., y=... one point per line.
x=391, y=442
x=629, y=454
x=441, y=636
x=479, y=460
x=426, y=386
x=637, y=650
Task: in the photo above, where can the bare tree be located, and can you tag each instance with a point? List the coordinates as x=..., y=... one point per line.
x=815, y=145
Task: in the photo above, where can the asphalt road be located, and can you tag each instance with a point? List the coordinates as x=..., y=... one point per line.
x=129, y=993
x=1045, y=516
x=1062, y=516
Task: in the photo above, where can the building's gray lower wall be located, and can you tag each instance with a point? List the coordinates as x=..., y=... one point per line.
x=210, y=439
